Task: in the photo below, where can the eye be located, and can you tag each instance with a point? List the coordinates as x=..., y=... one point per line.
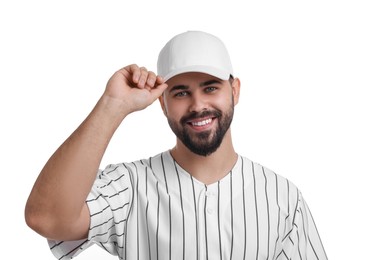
x=210, y=89
x=181, y=94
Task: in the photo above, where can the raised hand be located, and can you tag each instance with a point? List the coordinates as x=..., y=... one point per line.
x=133, y=88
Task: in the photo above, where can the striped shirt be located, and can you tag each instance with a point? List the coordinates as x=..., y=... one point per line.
x=154, y=209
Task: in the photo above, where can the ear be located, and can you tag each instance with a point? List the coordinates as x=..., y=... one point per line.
x=236, y=88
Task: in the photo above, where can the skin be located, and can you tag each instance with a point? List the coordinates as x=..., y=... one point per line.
x=56, y=207
x=193, y=97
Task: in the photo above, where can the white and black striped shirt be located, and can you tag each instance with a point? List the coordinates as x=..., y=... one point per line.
x=153, y=209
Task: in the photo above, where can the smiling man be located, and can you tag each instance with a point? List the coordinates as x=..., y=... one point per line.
x=203, y=119
x=198, y=200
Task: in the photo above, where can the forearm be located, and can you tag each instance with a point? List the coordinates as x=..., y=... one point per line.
x=56, y=207
x=61, y=189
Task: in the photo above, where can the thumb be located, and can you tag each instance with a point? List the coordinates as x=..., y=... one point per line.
x=158, y=90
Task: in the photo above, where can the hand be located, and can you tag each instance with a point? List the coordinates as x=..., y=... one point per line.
x=134, y=88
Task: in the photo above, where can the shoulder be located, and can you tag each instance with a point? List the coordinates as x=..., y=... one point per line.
x=137, y=166
x=266, y=176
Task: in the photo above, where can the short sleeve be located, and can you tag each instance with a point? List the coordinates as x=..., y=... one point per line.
x=302, y=241
x=109, y=203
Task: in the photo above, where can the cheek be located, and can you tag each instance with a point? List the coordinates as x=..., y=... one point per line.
x=173, y=111
x=225, y=101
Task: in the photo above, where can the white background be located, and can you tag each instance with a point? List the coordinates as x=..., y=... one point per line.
x=310, y=109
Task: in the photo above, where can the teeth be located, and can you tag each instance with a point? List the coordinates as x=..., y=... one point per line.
x=201, y=123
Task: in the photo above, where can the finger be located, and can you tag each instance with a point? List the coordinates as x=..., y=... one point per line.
x=159, y=80
x=143, y=77
x=152, y=78
x=131, y=72
x=158, y=90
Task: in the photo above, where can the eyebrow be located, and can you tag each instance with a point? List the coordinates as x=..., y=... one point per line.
x=202, y=84
x=210, y=82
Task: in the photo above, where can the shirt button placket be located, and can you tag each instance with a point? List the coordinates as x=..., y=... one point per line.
x=211, y=202
x=212, y=233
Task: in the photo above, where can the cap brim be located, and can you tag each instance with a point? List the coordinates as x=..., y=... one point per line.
x=224, y=75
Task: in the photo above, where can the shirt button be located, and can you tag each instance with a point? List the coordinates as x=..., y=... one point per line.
x=210, y=193
x=210, y=211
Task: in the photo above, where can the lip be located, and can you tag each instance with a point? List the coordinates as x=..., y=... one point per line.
x=201, y=124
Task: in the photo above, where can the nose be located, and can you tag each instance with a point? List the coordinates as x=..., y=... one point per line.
x=197, y=103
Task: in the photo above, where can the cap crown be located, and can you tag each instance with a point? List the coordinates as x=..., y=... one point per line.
x=194, y=51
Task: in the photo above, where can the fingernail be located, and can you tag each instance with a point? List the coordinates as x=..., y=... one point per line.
x=151, y=82
x=135, y=78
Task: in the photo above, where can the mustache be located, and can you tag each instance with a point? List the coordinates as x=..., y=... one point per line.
x=197, y=115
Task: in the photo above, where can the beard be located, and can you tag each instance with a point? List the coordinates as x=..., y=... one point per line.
x=206, y=142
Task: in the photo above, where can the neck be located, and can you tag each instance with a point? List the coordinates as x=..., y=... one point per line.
x=207, y=169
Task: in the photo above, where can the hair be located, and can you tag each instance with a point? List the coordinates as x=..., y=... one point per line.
x=231, y=79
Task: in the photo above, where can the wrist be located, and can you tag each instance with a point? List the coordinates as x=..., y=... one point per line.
x=112, y=108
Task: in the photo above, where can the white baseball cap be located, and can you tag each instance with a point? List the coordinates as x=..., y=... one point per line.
x=194, y=51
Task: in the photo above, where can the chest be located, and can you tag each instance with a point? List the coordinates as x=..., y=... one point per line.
x=182, y=219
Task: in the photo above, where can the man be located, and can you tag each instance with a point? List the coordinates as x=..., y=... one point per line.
x=199, y=200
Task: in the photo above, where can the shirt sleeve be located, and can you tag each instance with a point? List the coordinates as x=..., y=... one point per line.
x=303, y=241
x=109, y=204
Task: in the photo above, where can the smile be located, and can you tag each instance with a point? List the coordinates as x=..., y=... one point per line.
x=202, y=123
